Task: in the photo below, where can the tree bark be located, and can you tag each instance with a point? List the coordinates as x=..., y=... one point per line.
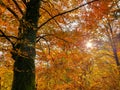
x=24, y=51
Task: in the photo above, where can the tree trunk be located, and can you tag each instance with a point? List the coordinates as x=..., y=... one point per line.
x=24, y=51
x=116, y=56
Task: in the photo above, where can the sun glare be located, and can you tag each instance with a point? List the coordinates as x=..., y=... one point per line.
x=89, y=45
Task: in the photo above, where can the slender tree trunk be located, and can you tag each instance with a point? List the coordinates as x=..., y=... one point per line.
x=116, y=55
x=24, y=51
x=113, y=44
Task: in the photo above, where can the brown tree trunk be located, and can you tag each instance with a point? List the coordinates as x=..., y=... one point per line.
x=24, y=51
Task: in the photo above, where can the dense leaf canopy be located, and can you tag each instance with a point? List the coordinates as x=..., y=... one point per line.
x=77, y=43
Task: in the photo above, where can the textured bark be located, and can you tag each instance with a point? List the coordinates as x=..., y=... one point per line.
x=24, y=51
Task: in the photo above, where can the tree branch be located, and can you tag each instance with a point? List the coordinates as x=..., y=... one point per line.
x=9, y=9
x=66, y=12
x=45, y=41
x=39, y=37
x=52, y=16
x=13, y=37
x=24, y=1
x=7, y=37
x=50, y=4
x=15, y=2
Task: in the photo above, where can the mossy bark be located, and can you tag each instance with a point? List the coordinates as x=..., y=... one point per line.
x=24, y=51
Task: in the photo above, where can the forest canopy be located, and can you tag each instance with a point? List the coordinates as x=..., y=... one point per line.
x=59, y=44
